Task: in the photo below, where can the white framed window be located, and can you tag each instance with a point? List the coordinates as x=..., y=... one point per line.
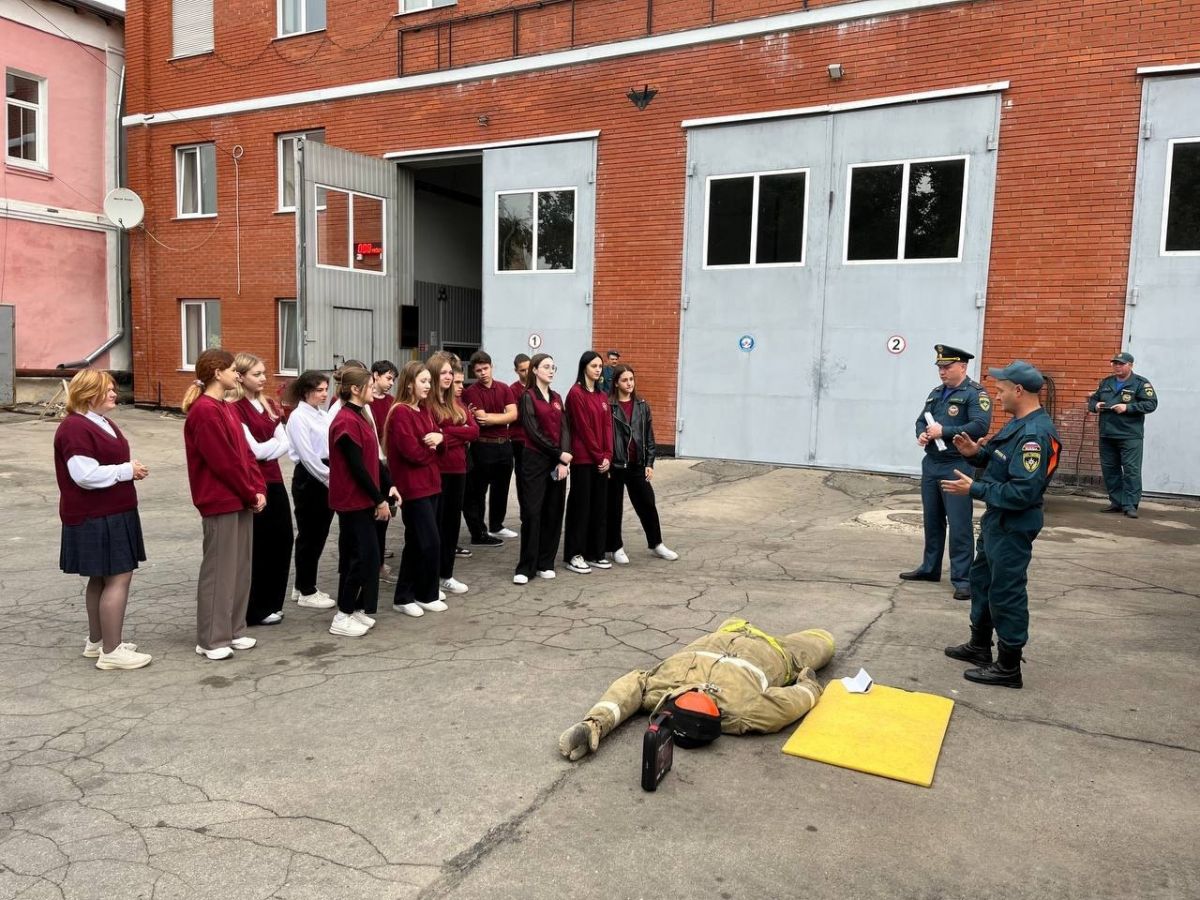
x=407, y=6
x=289, y=338
x=535, y=230
x=756, y=219
x=1181, y=199
x=286, y=157
x=191, y=27
x=300, y=16
x=25, y=113
x=905, y=211
x=196, y=181
x=199, y=328
x=350, y=230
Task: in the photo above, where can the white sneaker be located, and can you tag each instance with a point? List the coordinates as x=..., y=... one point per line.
x=441, y=595
x=619, y=556
x=454, y=586
x=93, y=651
x=662, y=551
x=503, y=533
x=520, y=579
x=547, y=573
x=360, y=616
x=273, y=619
x=216, y=652
x=243, y=643
x=578, y=565
x=435, y=606
x=315, y=600
x=347, y=626
x=600, y=563
x=124, y=656
x=409, y=609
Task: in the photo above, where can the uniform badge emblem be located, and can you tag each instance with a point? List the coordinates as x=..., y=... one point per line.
x=953, y=410
x=984, y=403
x=1149, y=391
x=1126, y=397
x=1031, y=456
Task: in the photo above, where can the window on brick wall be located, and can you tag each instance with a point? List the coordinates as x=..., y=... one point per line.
x=289, y=338
x=1181, y=212
x=300, y=16
x=418, y=5
x=26, y=114
x=756, y=219
x=906, y=211
x=535, y=230
x=350, y=230
x=286, y=156
x=191, y=27
x=200, y=328
x=196, y=181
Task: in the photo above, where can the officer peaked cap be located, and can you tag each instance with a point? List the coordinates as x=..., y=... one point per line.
x=947, y=354
x=1020, y=372
x=1122, y=358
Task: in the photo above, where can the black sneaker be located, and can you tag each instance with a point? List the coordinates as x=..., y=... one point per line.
x=462, y=552
x=486, y=541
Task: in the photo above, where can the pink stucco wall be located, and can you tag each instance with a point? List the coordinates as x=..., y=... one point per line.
x=57, y=276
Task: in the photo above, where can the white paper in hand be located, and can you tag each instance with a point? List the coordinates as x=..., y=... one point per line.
x=859, y=684
x=941, y=445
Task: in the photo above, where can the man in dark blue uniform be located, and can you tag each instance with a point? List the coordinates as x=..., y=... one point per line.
x=957, y=406
x=1123, y=400
x=1020, y=461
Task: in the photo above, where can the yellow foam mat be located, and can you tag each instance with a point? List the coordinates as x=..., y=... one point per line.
x=889, y=732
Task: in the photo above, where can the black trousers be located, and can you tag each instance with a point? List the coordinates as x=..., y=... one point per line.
x=491, y=471
x=358, y=562
x=541, y=514
x=313, y=517
x=450, y=521
x=418, y=576
x=271, y=561
x=641, y=495
x=587, y=505
x=382, y=527
x=518, y=455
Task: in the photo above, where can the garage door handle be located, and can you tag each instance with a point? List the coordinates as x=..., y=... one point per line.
x=587, y=298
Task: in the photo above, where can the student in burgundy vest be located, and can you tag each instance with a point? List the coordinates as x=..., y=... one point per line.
x=358, y=493
x=101, y=531
x=228, y=488
x=516, y=431
x=412, y=442
x=459, y=428
x=544, y=470
x=262, y=426
x=591, y=449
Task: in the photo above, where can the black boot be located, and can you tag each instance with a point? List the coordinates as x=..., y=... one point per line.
x=977, y=650
x=1005, y=671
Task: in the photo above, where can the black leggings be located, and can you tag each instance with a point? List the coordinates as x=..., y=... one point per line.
x=313, y=517
x=358, y=562
x=641, y=495
x=418, y=577
x=271, y=561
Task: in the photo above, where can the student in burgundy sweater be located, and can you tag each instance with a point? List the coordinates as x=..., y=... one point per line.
x=459, y=428
x=359, y=492
x=412, y=442
x=516, y=431
x=228, y=488
x=591, y=449
x=544, y=470
x=101, y=531
x=262, y=426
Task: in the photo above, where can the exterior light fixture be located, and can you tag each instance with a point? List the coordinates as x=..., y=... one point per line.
x=482, y=120
x=836, y=71
x=641, y=99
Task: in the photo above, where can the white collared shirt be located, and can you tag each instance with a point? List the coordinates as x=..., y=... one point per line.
x=273, y=447
x=308, y=440
x=88, y=473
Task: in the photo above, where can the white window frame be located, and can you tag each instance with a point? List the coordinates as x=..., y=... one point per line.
x=42, y=163
x=574, y=189
x=350, y=231
x=903, y=237
x=425, y=6
x=303, y=16
x=279, y=304
x=280, y=140
x=183, y=341
x=1166, y=199
x=754, y=220
x=180, y=153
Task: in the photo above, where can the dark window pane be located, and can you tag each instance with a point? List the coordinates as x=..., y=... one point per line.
x=874, y=231
x=1183, y=199
x=25, y=89
x=935, y=195
x=514, y=232
x=367, y=234
x=556, y=230
x=22, y=133
x=780, y=218
x=730, y=204
x=315, y=10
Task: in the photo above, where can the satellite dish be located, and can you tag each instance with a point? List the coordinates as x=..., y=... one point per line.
x=124, y=208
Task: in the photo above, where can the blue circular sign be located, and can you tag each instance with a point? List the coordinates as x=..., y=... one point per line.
x=746, y=343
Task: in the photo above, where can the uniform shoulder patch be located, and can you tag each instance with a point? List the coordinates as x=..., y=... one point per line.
x=1149, y=389
x=985, y=402
x=1031, y=456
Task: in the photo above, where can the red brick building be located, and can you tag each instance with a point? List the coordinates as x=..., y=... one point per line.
x=807, y=183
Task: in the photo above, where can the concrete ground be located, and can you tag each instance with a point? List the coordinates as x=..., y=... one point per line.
x=421, y=761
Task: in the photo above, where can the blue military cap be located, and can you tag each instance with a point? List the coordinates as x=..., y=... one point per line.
x=947, y=354
x=1123, y=358
x=1020, y=372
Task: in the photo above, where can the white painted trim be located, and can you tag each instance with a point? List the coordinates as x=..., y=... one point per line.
x=47, y=215
x=1168, y=70
x=437, y=152
x=894, y=100
x=731, y=31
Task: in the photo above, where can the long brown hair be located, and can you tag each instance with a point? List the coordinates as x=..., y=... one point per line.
x=405, y=389
x=619, y=370
x=441, y=403
x=208, y=364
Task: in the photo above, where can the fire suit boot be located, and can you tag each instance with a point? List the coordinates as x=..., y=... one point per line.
x=1005, y=671
x=977, y=650
x=579, y=740
x=622, y=699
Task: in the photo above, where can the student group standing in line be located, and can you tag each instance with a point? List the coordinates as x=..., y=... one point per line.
x=435, y=453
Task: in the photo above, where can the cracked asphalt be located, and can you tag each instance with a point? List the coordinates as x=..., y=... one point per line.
x=421, y=762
